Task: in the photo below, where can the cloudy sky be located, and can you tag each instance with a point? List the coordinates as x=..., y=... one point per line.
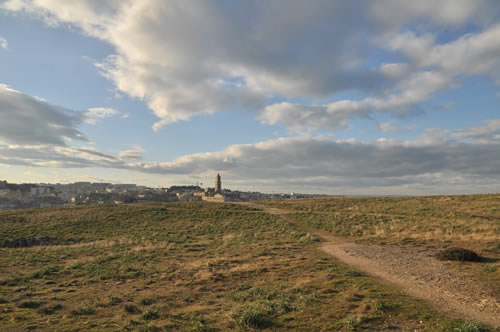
x=339, y=97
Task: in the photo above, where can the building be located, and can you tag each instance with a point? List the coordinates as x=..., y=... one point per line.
x=40, y=190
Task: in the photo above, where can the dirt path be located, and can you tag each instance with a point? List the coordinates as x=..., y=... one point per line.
x=414, y=270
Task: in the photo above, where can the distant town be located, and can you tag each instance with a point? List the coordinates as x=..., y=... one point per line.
x=26, y=195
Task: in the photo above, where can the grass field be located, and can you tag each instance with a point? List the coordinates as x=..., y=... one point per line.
x=470, y=221
x=473, y=218
x=215, y=267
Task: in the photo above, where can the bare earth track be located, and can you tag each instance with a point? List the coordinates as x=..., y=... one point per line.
x=415, y=271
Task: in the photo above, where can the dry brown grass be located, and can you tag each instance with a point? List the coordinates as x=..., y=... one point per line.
x=204, y=267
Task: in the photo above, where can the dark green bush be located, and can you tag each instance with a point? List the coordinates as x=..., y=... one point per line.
x=29, y=304
x=459, y=254
x=132, y=309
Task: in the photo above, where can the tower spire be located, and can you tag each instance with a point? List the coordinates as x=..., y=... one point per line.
x=218, y=184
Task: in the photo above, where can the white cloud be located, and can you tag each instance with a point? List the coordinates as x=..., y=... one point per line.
x=94, y=114
x=408, y=93
x=395, y=70
x=3, y=43
x=472, y=54
x=133, y=154
x=325, y=164
x=56, y=156
x=32, y=133
x=488, y=133
x=241, y=56
x=387, y=127
x=297, y=117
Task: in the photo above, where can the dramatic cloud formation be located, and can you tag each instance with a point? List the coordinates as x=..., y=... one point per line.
x=188, y=58
x=473, y=54
x=300, y=64
x=324, y=163
x=36, y=134
x=28, y=120
x=320, y=163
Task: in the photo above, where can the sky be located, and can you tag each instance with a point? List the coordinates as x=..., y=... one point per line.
x=383, y=97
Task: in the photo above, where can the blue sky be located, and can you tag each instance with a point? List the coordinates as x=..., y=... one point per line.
x=386, y=97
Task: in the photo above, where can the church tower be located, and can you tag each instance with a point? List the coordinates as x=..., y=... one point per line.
x=218, y=185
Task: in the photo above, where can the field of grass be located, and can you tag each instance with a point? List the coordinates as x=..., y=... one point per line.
x=469, y=218
x=203, y=267
x=470, y=221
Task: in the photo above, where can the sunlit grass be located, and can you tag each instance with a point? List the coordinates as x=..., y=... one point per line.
x=186, y=267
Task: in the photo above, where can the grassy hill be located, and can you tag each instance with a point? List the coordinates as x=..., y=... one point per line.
x=472, y=218
x=214, y=267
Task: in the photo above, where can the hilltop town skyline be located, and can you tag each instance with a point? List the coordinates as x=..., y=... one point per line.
x=45, y=195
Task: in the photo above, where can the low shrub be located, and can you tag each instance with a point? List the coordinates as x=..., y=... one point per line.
x=459, y=254
x=149, y=328
x=146, y=301
x=466, y=326
x=150, y=314
x=351, y=322
x=353, y=273
x=132, y=309
x=48, y=310
x=489, y=268
x=252, y=316
x=112, y=300
x=29, y=304
x=46, y=271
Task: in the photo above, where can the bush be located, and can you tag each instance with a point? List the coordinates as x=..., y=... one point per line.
x=132, y=309
x=467, y=326
x=46, y=271
x=351, y=322
x=150, y=314
x=146, y=301
x=149, y=328
x=48, y=310
x=112, y=300
x=29, y=304
x=353, y=273
x=252, y=316
x=459, y=254
x=489, y=268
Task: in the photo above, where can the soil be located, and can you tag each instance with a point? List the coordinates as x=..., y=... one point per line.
x=416, y=271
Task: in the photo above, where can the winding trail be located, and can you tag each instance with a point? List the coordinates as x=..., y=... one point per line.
x=414, y=270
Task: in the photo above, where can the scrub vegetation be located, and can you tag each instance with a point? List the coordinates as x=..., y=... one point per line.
x=201, y=266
